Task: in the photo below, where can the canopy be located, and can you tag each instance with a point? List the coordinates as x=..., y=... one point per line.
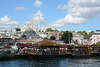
x=76, y=45
x=63, y=45
x=46, y=43
x=25, y=45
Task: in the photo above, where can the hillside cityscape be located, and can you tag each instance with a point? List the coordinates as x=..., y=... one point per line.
x=29, y=33
x=49, y=33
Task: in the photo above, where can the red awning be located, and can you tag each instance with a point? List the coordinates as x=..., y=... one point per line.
x=25, y=45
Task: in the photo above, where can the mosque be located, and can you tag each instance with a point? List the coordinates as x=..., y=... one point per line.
x=31, y=31
x=29, y=25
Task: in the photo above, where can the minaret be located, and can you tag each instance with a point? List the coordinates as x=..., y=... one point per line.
x=32, y=25
x=32, y=21
x=39, y=23
x=44, y=27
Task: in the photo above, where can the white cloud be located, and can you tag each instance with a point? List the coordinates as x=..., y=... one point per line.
x=7, y=23
x=62, y=7
x=78, y=11
x=38, y=3
x=38, y=16
x=20, y=8
x=59, y=7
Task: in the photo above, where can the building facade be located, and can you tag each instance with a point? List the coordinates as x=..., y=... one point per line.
x=7, y=41
x=95, y=37
x=77, y=37
x=55, y=34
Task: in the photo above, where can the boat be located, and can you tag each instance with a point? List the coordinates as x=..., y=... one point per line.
x=78, y=51
x=45, y=49
x=22, y=50
x=7, y=52
x=95, y=49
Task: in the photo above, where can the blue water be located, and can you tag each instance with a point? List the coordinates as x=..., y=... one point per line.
x=91, y=62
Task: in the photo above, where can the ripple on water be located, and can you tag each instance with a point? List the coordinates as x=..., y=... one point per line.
x=91, y=62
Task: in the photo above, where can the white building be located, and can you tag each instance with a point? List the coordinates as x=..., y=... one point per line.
x=95, y=37
x=77, y=37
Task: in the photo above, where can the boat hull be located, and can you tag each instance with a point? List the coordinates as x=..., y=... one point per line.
x=46, y=56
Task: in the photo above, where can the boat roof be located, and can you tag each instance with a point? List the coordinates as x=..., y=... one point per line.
x=25, y=45
x=63, y=45
x=46, y=43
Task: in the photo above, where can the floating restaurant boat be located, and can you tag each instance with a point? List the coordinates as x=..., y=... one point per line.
x=7, y=52
x=95, y=49
x=22, y=50
x=78, y=51
x=45, y=49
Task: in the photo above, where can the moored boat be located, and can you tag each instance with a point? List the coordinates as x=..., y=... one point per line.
x=95, y=49
x=7, y=52
x=45, y=49
x=78, y=51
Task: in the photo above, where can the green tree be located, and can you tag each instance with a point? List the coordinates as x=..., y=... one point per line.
x=50, y=30
x=80, y=32
x=56, y=30
x=17, y=29
x=39, y=31
x=23, y=35
x=45, y=38
x=91, y=33
x=84, y=33
x=52, y=38
x=66, y=37
x=42, y=31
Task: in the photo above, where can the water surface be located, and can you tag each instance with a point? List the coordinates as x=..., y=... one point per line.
x=64, y=62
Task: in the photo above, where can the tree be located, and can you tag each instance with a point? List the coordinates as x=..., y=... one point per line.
x=80, y=32
x=84, y=33
x=39, y=31
x=45, y=38
x=50, y=30
x=52, y=38
x=23, y=35
x=66, y=36
x=17, y=29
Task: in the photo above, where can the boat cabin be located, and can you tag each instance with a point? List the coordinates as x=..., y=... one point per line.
x=77, y=50
x=95, y=49
x=45, y=47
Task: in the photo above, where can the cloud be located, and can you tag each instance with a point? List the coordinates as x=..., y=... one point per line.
x=7, y=23
x=38, y=3
x=78, y=11
x=20, y=8
x=38, y=16
x=60, y=7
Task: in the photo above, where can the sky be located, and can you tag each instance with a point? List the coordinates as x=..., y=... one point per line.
x=63, y=15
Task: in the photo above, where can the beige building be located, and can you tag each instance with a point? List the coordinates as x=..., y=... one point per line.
x=95, y=37
x=56, y=34
x=77, y=37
